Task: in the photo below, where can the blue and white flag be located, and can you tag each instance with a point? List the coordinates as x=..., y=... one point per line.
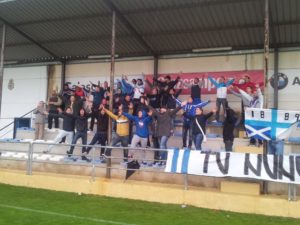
x=277, y=168
x=270, y=124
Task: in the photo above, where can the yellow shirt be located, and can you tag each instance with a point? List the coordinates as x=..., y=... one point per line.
x=122, y=123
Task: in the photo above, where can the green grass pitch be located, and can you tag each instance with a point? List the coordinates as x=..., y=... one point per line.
x=20, y=206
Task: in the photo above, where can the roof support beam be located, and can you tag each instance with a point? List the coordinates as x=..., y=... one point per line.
x=128, y=25
x=2, y=61
x=28, y=37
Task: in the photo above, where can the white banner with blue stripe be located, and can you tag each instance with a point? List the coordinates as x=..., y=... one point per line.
x=284, y=168
x=270, y=124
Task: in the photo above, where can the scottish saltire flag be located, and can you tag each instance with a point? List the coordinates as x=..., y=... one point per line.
x=270, y=124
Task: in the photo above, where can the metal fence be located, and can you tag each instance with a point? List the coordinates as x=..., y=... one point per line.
x=31, y=149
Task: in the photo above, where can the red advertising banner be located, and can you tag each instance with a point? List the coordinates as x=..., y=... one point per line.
x=256, y=76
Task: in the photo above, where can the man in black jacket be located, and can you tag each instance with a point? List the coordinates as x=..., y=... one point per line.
x=101, y=135
x=81, y=125
x=68, y=127
x=199, y=126
x=228, y=128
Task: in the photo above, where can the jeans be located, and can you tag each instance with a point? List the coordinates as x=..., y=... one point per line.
x=83, y=136
x=39, y=131
x=135, y=140
x=198, y=138
x=228, y=145
x=100, y=138
x=94, y=116
x=50, y=119
x=155, y=141
x=124, y=143
x=187, y=130
x=59, y=137
x=219, y=102
x=163, y=145
x=275, y=147
x=253, y=141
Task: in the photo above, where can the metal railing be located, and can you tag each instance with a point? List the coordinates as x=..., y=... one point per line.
x=108, y=165
x=12, y=123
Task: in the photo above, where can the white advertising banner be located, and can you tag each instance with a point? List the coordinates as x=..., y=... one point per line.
x=285, y=169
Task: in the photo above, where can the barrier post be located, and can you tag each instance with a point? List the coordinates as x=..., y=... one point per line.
x=93, y=164
x=186, y=184
x=29, y=160
x=108, y=168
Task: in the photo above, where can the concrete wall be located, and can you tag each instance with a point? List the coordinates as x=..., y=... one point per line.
x=23, y=88
x=288, y=64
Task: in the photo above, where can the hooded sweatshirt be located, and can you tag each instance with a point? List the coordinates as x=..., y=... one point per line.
x=141, y=124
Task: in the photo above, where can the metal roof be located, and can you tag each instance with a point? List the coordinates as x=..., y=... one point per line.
x=75, y=29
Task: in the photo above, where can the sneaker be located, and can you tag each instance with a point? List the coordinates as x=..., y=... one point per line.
x=150, y=164
x=124, y=164
x=157, y=165
x=85, y=158
x=144, y=164
x=69, y=153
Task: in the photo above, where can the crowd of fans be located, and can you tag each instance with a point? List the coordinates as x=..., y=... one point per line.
x=138, y=114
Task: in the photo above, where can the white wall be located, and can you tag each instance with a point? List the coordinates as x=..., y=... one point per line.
x=288, y=64
x=29, y=87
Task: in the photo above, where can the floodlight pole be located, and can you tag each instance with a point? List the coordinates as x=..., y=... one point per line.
x=2, y=62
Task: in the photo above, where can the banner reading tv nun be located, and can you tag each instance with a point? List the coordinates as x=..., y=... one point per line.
x=270, y=124
x=281, y=168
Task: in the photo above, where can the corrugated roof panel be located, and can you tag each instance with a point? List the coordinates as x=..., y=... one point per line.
x=24, y=52
x=80, y=27
x=136, y=5
x=73, y=29
x=33, y=10
x=12, y=37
